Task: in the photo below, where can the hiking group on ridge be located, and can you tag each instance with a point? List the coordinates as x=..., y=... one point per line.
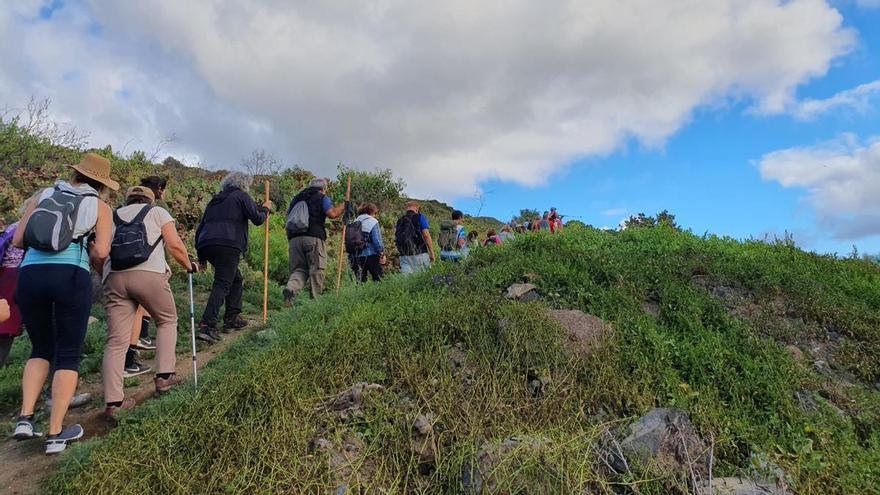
x=69, y=230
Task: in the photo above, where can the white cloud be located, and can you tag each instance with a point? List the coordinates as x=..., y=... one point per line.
x=842, y=179
x=446, y=94
x=859, y=99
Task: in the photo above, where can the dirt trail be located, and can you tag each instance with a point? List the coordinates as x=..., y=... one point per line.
x=25, y=465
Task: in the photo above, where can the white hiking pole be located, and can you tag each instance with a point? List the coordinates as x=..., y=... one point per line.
x=192, y=321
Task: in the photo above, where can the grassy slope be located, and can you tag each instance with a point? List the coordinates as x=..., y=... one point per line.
x=249, y=427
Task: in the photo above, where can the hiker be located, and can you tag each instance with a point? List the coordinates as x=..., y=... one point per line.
x=453, y=238
x=536, y=224
x=54, y=288
x=505, y=234
x=544, y=224
x=306, y=239
x=140, y=339
x=491, y=238
x=473, y=240
x=412, y=235
x=555, y=221
x=10, y=259
x=222, y=239
x=364, y=244
x=137, y=274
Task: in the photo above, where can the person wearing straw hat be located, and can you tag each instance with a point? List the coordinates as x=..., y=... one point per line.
x=55, y=290
x=129, y=285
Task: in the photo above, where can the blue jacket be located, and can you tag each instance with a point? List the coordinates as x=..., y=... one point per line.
x=375, y=245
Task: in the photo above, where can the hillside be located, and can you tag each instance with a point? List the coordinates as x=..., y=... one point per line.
x=438, y=383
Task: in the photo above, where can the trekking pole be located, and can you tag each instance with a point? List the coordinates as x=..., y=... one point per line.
x=342, y=244
x=192, y=322
x=266, y=262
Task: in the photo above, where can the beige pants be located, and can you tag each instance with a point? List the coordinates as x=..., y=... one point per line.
x=308, y=260
x=123, y=292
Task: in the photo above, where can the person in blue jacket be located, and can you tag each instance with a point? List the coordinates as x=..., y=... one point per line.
x=371, y=258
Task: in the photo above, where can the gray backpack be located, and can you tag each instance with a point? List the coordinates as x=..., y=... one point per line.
x=298, y=218
x=51, y=225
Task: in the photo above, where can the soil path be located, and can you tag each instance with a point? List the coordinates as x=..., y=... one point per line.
x=24, y=465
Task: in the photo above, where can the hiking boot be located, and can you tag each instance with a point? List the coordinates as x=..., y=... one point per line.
x=236, y=323
x=57, y=443
x=145, y=344
x=134, y=369
x=164, y=384
x=288, y=298
x=78, y=400
x=110, y=412
x=25, y=429
x=208, y=334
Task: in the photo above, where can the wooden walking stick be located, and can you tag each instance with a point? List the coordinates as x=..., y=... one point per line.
x=342, y=244
x=266, y=261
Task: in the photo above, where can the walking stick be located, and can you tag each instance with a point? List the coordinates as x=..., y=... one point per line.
x=342, y=244
x=266, y=261
x=192, y=322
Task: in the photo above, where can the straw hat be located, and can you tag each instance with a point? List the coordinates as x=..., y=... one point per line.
x=145, y=192
x=96, y=167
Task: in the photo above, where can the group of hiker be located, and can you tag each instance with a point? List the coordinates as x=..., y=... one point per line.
x=550, y=221
x=69, y=229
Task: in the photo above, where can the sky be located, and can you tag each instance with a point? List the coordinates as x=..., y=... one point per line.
x=744, y=118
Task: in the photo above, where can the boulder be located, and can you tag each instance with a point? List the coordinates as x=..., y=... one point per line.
x=522, y=292
x=664, y=438
x=349, y=403
x=345, y=460
x=497, y=466
x=585, y=332
x=741, y=486
x=422, y=442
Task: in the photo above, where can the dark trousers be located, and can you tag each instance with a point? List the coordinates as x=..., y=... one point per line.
x=366, y=265
x=55, y=301
x=227, y=283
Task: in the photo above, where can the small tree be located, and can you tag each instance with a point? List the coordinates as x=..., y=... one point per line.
x=261, y=162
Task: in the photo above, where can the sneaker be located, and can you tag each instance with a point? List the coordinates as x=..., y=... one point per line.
x=78, y=400
x=25, y=429
x=110, y=412
x=134, y=369
x=208, y=334
x=164, y=384
x=236, y=323
x=145, y=344
x=288, y=298
x=57, y=443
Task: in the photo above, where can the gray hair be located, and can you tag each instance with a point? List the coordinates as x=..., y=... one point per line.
x=319, y=183
x=237, y=180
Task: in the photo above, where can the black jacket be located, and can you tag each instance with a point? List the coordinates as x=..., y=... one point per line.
x=317, y=218
x=225, y=221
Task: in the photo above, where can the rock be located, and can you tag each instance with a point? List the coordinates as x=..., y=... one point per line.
x=344, y=460
x=500, y=462
x=665, y=438
x=806, y=401
x=795, y=352
x=585, y=332
x=463, y=369
x=742, y=486
x=651, y=307
x=350, y=402
x=421, y=440
x=267, y=334
x=536, y=384
x=522, y=292
x=92, y=320
x=447, y=280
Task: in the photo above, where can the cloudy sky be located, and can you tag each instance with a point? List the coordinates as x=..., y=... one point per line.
x=743, y=117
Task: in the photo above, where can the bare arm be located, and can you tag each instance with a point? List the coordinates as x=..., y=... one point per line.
x=100, y=247
x=175, y=245
x=429, y=243
x=336, y=211
x=4, y=310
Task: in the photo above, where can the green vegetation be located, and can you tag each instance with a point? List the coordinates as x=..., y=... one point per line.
x=680, y=339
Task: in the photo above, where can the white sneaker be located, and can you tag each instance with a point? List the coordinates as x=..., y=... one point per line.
x=57, y=443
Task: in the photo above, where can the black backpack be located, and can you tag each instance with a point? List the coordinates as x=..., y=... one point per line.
x=129, y=247
x=51, y=225
x=408, y=235
x=355, y=240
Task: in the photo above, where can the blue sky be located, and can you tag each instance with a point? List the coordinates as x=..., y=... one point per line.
x=707, y=174
x=746, y=118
